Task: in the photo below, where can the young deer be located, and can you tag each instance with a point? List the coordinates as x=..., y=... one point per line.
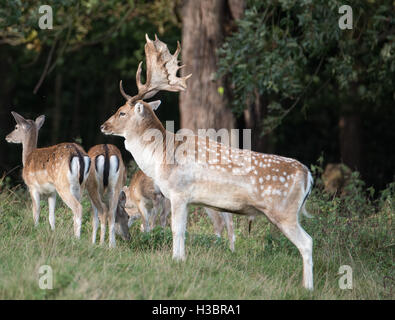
x=106, y=178
x=148, y=200
x=150, y=203
x=211, y=174
x=62, y=168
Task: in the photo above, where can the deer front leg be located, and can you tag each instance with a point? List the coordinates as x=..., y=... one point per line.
x=35, y=195
x=228, y=217
x=51, y=206
x=179, y=213
x=145, y=214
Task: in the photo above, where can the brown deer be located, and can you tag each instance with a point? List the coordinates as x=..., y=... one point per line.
x=147, y=199
x=62, y=168
x=204, y=172
x=150, y=203
x=106, y=178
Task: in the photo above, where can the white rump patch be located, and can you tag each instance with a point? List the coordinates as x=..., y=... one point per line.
x=75, y=169
x=114, y=170
x=87, y=163
x=99, y=169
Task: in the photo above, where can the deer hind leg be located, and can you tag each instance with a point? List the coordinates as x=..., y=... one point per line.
x=69, y=198
x=179, y=214
x=98, y=211
x=35, y=195
x=95, y=223
x=287, y=221
x=115, y=187
x=217, y=220
x=304, y=243
x=114, y=198
x=51, y=206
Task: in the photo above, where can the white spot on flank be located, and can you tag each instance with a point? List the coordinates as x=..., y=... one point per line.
x=260, y=180
x=268, y=177
x=282, y=179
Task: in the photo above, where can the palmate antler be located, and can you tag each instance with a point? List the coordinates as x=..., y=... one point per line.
x=162, y=70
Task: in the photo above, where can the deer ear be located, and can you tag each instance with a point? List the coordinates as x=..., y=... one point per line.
x=154, y=104
x=40, y=121
x=122, y=198
x=139, y=108
x=18, y=118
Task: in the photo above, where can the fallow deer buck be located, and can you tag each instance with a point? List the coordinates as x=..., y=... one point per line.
x=62, y=168
x=106, y=178
x=210, y=174
x=150, y=203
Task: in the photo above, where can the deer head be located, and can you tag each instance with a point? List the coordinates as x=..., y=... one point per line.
x=161, y=74
x=24, y=128
x=122, y=218
x=25, y=132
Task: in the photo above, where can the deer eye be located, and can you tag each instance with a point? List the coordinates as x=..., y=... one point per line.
x=122, y=114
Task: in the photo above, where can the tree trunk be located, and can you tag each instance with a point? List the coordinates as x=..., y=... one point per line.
x=202, y=106
x=75, y=124
x=350, y=144
x=253, y=116
x=57, y=113
x=6, y=88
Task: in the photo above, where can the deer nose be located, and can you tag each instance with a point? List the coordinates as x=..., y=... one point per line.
x=102, y=127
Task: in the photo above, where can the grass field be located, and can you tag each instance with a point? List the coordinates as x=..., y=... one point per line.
x=354, y=230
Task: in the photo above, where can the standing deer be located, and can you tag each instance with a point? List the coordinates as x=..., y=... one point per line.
x=62, y=168
x=106, y=178
x=150, y=203
x=211, y=174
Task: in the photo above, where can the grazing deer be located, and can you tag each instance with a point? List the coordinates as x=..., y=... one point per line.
x=150, y=203
x=122, y=218
x=106, y=178
x=62, y=168
x=211, y=174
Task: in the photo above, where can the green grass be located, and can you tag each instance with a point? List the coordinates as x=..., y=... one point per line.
x=265, y=264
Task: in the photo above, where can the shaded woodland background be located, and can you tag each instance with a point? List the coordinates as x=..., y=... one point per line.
x=306, y=88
